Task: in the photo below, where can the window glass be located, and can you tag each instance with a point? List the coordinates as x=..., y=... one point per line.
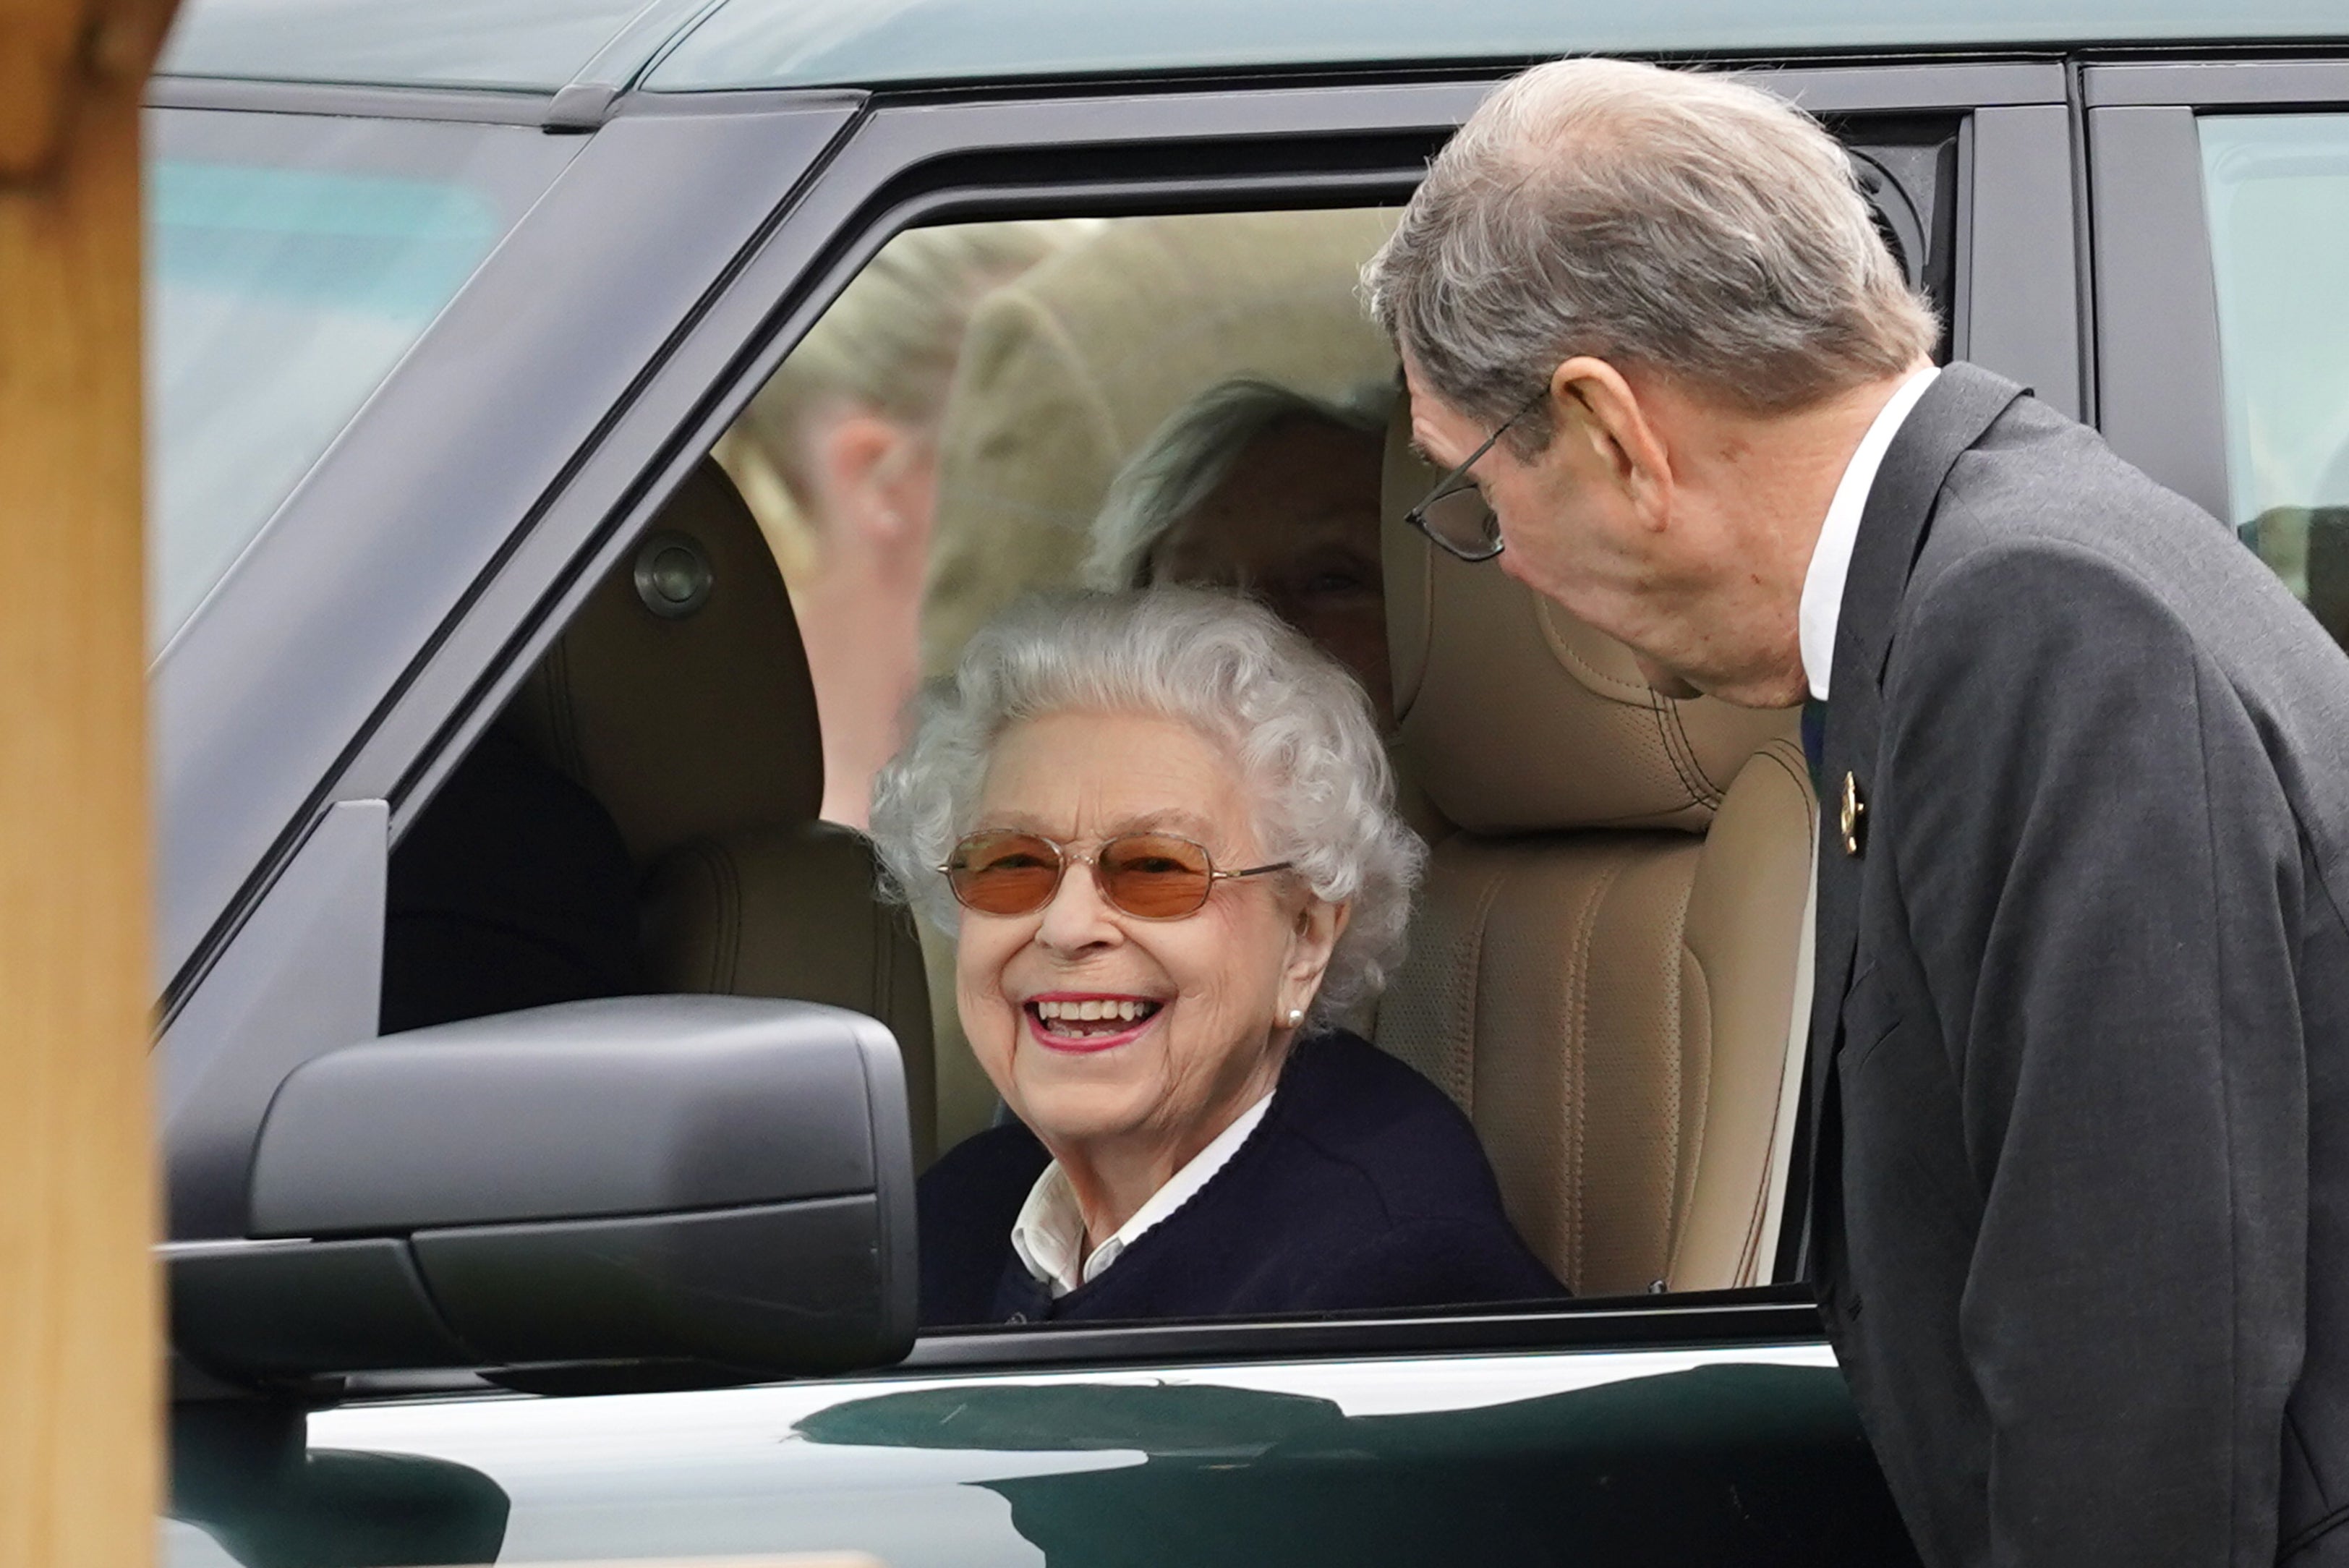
x=2278, y=190
x=797, y=43
x=291, y=260
x=945, y=438
x=537, y=45
x=983, y=411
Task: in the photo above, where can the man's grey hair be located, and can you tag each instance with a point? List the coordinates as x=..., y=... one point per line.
x=1295, y=723
x=1666, y=219
x=1192, y=451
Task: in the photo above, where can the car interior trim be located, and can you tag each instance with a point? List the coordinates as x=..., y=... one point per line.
x=2020, y=310
x=2158, y=376
x=2274, y=83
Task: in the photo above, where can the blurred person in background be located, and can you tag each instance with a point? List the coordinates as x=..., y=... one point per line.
x=1270, y=493
x=1068, y=369
x=837, y=457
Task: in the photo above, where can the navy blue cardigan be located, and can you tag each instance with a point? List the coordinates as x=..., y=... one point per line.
x=1362, y=1188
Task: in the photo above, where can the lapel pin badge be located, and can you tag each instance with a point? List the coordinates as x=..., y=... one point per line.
x=1855, y=813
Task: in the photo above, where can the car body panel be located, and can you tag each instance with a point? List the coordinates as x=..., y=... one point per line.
x=522, y=45
x=544, y=45
x=1747, y=1454
x=409, y=584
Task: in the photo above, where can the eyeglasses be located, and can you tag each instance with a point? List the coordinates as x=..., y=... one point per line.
x=1454, y=516
x=1150, y=876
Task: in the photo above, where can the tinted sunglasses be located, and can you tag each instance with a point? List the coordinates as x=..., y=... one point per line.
x=1150, y=876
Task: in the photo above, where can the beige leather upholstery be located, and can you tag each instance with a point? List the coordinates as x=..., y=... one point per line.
x=698, y=735
x=689, y=727
x=1610, y=956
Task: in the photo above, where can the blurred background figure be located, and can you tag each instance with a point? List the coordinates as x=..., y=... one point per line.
x=1067, y=371
x=837, y=457
x=1270, y=493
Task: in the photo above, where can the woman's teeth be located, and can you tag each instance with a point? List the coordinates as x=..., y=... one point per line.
x=1094, y=1015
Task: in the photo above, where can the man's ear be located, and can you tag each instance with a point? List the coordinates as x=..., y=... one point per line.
x=1592, y=402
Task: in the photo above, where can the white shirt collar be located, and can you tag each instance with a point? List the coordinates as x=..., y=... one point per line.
x=1050, y=1234
x=1831, y=556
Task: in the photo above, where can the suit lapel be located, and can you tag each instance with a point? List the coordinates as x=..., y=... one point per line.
x=1954, y=414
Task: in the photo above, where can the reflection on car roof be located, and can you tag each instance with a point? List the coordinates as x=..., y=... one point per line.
x=541, y=45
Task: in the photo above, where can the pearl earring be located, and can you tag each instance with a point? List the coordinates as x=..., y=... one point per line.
x=1296, y=1016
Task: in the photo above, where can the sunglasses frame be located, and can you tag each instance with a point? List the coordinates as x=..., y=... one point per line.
x=1100, y=885
x=1456, y=480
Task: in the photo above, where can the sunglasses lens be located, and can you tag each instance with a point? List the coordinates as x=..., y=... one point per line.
x=1461, y=522
x=1004, y=873
x=1154, y=876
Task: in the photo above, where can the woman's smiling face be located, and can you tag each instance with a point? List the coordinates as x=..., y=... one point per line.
x=1210, y=992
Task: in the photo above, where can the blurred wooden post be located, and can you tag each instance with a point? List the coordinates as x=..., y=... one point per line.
x=79, y=1428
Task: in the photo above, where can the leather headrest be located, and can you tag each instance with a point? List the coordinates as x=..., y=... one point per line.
x=1517, y=717
x=678, y=696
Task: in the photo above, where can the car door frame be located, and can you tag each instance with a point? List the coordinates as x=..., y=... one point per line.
x=388, y=704
x=2160, y=378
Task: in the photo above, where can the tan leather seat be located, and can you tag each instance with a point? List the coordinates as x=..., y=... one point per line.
x=1613, y=952
x=697, y=730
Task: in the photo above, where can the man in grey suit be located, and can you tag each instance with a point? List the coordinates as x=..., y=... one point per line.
x=2079, y=1211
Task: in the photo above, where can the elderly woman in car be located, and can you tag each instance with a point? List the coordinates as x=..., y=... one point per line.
x=1160, y=825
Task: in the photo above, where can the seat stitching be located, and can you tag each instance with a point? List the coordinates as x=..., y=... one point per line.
x=1693, y=1156
x=1600, y=682
x=1777, y=752
x=1683, y=753
x=1692, y=783
x=1460, y=1050
x=1579, y=1057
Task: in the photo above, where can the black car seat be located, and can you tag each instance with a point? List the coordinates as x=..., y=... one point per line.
x=1610, y=965
x=679, y=698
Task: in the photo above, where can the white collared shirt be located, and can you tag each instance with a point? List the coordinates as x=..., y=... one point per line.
x=1050, y=1234
x=1831, y=556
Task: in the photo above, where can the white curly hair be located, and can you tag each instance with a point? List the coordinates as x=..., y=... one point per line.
x=1297, y=725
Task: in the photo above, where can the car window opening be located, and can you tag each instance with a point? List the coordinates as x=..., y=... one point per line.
x=1602, y=969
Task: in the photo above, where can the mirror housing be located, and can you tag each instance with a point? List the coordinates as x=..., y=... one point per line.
x=710, y=1181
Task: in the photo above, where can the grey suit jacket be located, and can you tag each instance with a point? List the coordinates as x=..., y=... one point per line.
x=2080, y=1058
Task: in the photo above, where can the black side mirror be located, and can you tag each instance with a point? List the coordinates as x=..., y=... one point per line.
x=698, y=1180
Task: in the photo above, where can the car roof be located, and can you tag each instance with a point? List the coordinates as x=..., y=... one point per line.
x=542, y=46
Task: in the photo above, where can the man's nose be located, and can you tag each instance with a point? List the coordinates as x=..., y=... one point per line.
x=1078, y=918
